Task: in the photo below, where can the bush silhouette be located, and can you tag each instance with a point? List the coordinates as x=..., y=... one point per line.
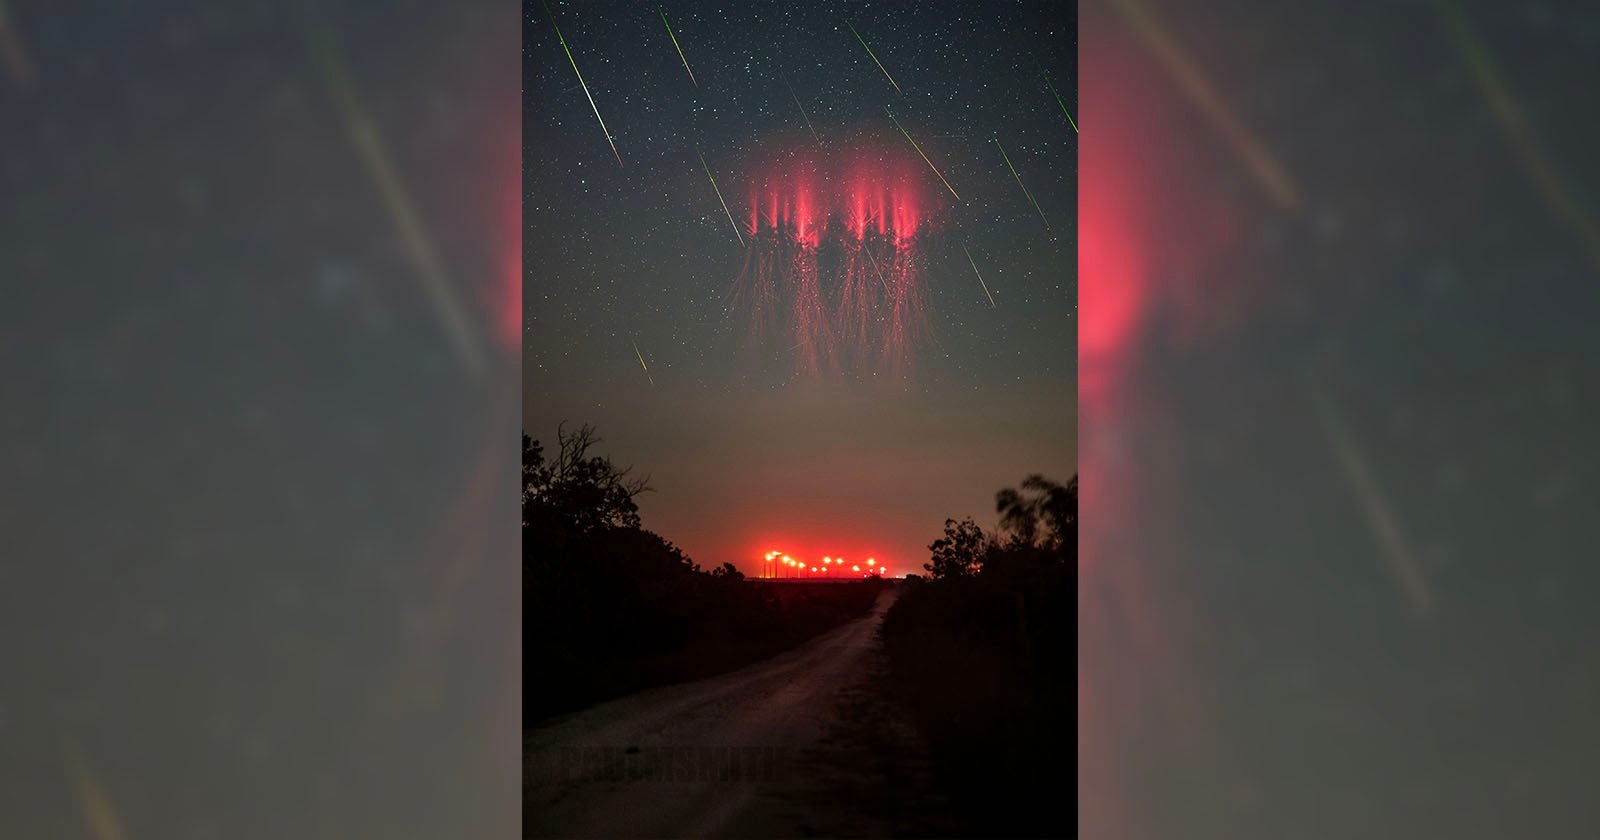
x=610, y=607
x=978, y=652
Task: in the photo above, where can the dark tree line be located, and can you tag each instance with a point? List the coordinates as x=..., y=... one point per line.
x=978, y=653
x=575, y=490
x=611, y=607
x=1038, y=523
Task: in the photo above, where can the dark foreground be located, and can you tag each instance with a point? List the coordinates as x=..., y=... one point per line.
x=980, y=666
x=794, y=746
x=622, y=612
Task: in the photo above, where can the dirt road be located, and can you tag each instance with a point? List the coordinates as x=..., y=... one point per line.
x=717, y=757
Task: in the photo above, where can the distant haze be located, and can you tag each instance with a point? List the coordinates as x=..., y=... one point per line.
x=843, y=469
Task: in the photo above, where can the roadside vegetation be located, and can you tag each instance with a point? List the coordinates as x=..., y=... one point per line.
x=610, y=607
x=979, y=652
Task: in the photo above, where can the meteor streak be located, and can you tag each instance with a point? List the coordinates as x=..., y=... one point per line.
x=675, y=44
x=641, y=362
x=875, y=58
x=875, y=268
x=1057, y=95
x=585, y=85
x=801, y=107
x=980, y=278
x=363, y=131
x=1387, y=528
x=919, y=151
x=1020, y=184
x=102, y=817
x=719, y=198
x=1540, y=169
x=1251, y=151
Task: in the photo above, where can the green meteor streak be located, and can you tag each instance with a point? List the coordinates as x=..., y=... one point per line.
x=1020, y=184
x=419, y=245
x=919, y=151
x=646, y=367
x=980, y=278
x=879, y=271
x=675, y=45
x=801, y=107
x=1553, y=187
x=719, y=198
x=1057, y=95
x=874, y=58
x=581, y=82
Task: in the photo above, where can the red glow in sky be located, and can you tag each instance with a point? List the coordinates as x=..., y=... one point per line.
x=1157, y=263
x=869, y=311
x=801, y=190
x=500, y=296
x=507, y=304
x=1113, y=271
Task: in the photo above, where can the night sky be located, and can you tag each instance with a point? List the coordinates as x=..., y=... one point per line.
x=820, y=424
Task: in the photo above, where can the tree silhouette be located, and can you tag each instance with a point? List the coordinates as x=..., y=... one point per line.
x=534, y=472
x=727, y=570
x=960, y=553
x=977, y=656
x=1041, y=513
x=574, y=490
x=610, y=607
x=1038, y=524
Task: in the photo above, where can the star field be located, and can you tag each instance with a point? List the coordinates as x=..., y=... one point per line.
x=643, y=253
